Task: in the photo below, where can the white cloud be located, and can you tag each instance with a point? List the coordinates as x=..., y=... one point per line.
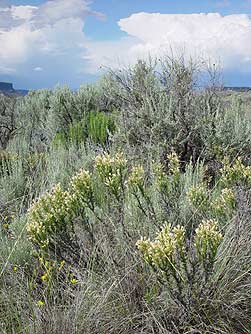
x=38, y=69
x=49, y=30
x=106, y=54
x=22, y=12
x=54, y=11
x=52, y=36
x=17, y=44
x=201, y=35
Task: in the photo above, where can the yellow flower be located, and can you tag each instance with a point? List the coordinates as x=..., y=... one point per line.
x=225, y=204
x=49, y=213
x=161, y=177
x=198, y=197
x=136, y=178
x=44, y=277
x=235, y=173
x=161, y=252
x=14, y=268
x=62, y=263
x=207, y=238
x=111, y=171
x=82, y=186
x=174, y=163
x=40, y=303
x=74, y=281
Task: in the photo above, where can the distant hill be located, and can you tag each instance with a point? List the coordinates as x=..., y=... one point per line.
x=238, y=89
x=7, y=89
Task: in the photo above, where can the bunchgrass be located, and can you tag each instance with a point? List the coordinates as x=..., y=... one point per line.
x=125, y=207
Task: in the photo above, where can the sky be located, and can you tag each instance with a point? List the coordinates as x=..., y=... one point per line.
x=48, y=42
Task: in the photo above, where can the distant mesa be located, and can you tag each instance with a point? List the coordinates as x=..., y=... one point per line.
x=238, y=89
x=6, y=88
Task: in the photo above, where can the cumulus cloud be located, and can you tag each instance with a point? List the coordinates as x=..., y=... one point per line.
x=38, y=69
x=205, y=35
x=52, y=35
x=49, y=30
x=57, y=10
x=102, y=55
x=11, y=17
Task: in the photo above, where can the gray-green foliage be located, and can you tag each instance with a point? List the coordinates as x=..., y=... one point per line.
x=232, y=131
x=87, y=275
x=63, y=115
x=161, y=107
x=33, y=119
x=8, y=119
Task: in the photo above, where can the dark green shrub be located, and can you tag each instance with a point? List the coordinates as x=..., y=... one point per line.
x=100, y=125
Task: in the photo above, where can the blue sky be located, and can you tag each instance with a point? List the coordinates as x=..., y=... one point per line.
x=43, y=43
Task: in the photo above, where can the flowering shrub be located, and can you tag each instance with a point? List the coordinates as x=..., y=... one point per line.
x=85, y=265
x=82, y=190
x=204, y=201
x=175, y=256
x=161, y=252
x=237, y=173
x=136, y=178
x=49, y=215
x=174, y=164
x=207, y=240
x=224, y=205
x=54, y=214
x=162, y=179
x=111, y=171
x=198, y=197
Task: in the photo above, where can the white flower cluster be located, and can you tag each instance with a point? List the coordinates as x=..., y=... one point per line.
x=48, y=215
x=235, y=173
x=82, y=189
x=161, y=252
x=207, y=239
x=136, y=178
x=111, y=171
